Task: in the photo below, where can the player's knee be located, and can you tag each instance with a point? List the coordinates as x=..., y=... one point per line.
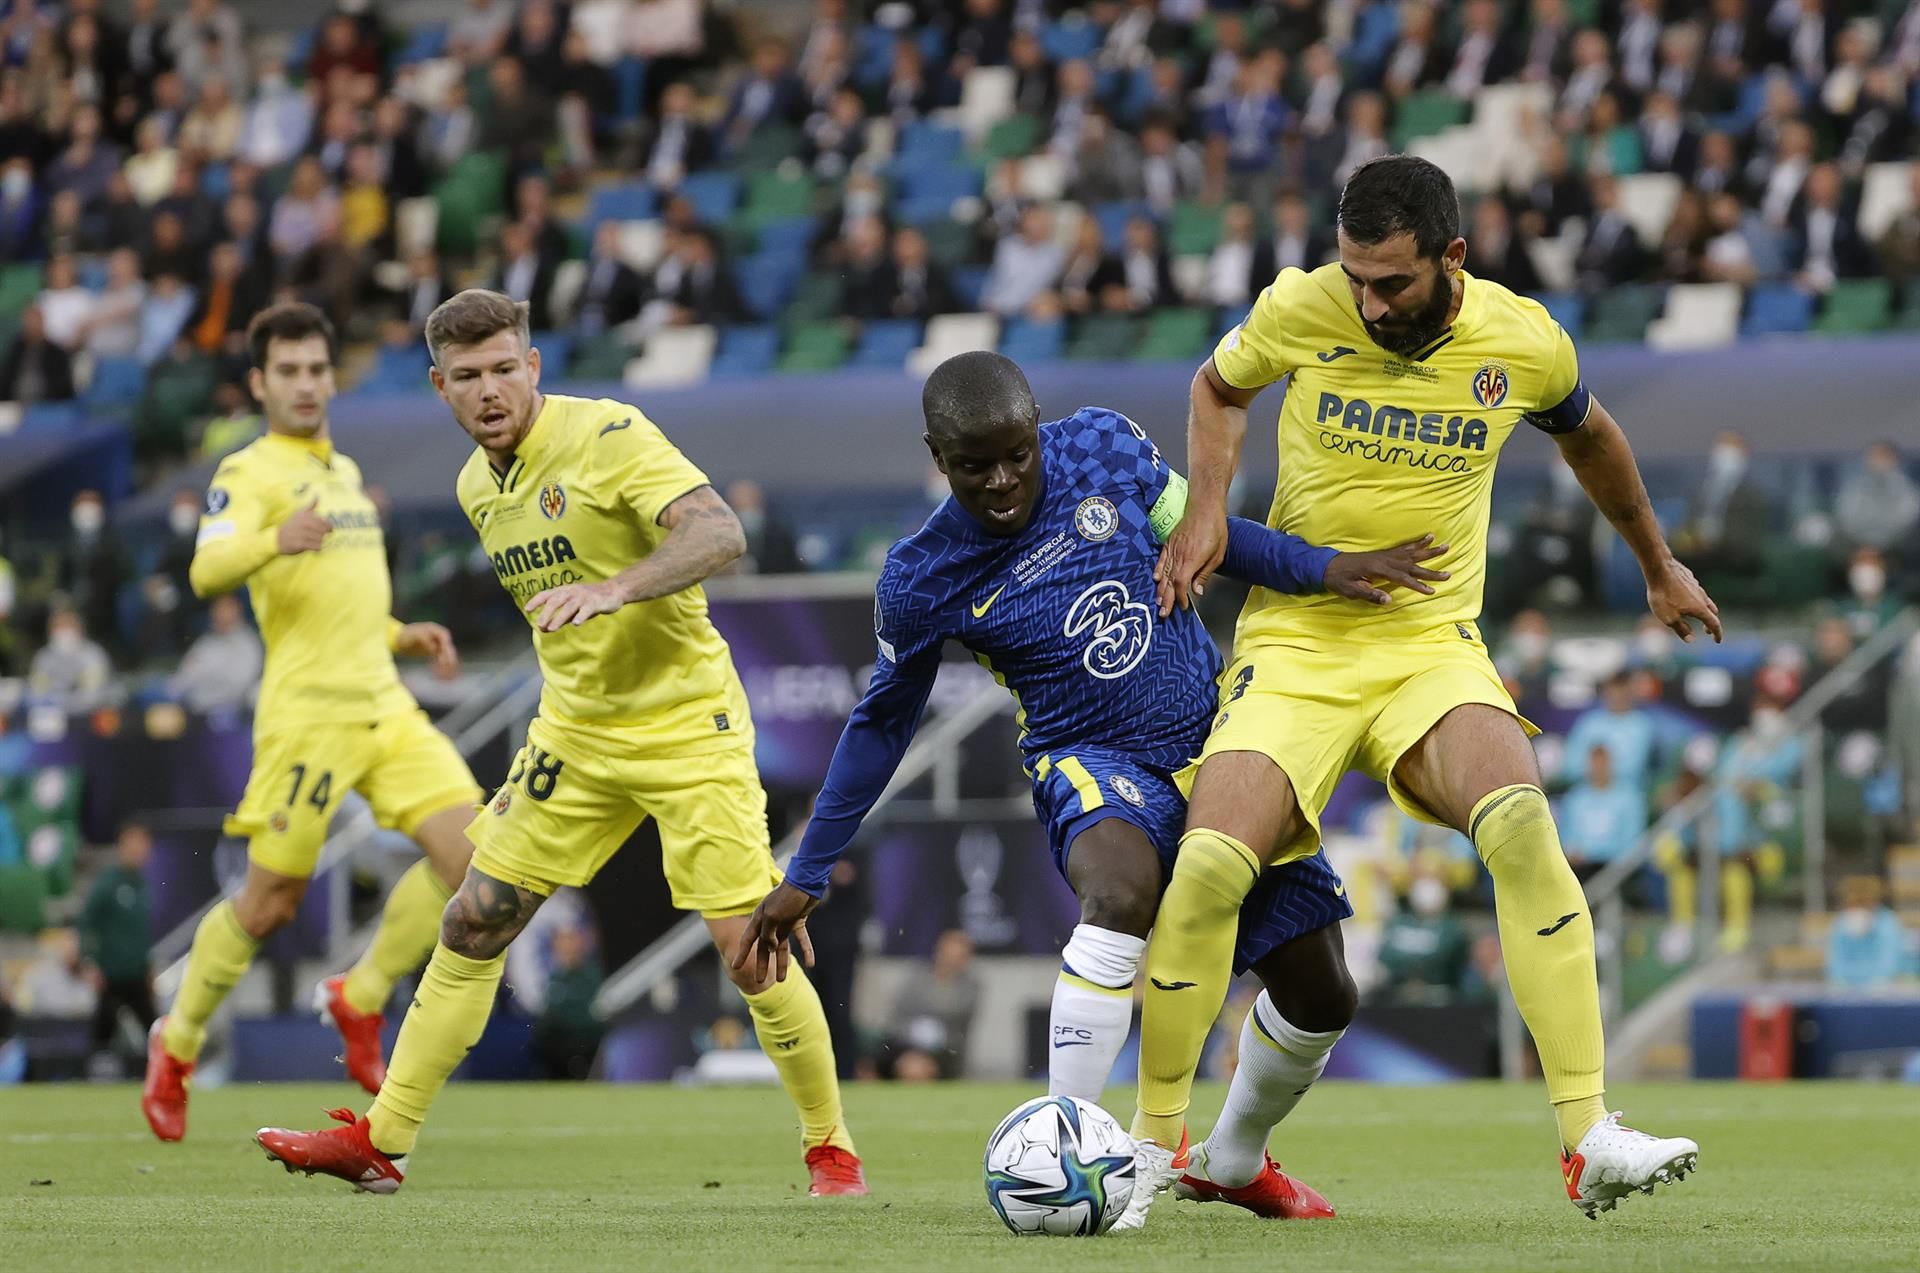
x=1123, y=906
x=264, y=911
x=1323, y=1005
x=476, y=937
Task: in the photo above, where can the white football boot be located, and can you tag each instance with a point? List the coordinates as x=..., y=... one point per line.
x=1155, y=1168
x=1613, y=1161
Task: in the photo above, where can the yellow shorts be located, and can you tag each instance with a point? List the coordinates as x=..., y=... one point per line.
x=1318, y=709
x=572, y=799
x=407, y=770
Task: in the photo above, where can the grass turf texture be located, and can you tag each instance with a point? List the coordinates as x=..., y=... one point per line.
x=1803, y=1176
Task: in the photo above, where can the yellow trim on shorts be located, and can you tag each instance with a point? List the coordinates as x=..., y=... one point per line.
x=1075, y=979
x=1083, y=783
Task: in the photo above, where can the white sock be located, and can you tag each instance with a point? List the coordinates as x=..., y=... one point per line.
x=1092, y=1009
x=1278, y=1063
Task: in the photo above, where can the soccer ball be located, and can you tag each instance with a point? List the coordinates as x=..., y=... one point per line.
x=1059, y=1165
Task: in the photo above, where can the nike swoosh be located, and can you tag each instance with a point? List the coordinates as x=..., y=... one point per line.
x=615, y=428
x=980, y=610
x=1075, y=1043
x=1340, y=889
x=1338, y=351
x=1559, y=924
x=1171, y=985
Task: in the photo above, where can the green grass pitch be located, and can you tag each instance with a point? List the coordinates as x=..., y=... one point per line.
x=520, y=1177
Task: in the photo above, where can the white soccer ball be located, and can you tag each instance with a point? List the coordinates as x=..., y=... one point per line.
x=1059, y=1165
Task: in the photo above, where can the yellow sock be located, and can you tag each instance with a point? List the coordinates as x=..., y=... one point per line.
x=792, y=1029
x=1683, y=882
x=1546, y=936
x=221, y=954
x=1189, y=966
x=449, y=1011
x=409, y=927
x=1736, y=901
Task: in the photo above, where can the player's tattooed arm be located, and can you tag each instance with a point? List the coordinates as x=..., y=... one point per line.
x=485, y=916
x=1600, y=456
x=703, y=537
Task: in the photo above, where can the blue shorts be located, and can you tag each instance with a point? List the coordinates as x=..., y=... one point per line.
x=1072, y=792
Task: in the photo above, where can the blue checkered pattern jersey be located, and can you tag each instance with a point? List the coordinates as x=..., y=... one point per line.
x=1063, y=614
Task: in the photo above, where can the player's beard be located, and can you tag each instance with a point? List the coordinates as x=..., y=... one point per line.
x=1410, y=335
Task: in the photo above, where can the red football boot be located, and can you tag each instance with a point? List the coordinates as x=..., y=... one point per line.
x=345, y=1152
x=163, y=1099
x=1271, y=1195
x=836, y=1173
x=360, y=1031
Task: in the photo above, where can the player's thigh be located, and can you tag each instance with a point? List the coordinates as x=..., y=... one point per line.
x=1447, y=735
x=1115, y=870
x=1289, y=721
x=712, y=813
x=419, y=774
x=1113, y=827
x=556, y=819
x=298, y=779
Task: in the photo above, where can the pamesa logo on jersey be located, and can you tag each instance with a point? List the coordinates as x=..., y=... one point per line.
x=553, y=500
x=1096, y=519
x=1490, y=385
x=1127, y=790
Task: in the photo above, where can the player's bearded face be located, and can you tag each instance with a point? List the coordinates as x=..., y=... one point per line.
x=493, y=388
x=994, y=474
x=1405, y=300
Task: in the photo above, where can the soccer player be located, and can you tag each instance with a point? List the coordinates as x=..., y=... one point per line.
x=287, y=519
x=601, y=531
x=1408, y=375
x=1041, y=564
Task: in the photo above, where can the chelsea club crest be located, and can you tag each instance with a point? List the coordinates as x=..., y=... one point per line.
x=1127, y=790
x=1096, y=519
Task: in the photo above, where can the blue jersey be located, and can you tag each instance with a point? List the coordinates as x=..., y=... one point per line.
x=1063, y=614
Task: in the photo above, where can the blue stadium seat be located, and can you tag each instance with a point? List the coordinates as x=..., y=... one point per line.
x=885, y=345
x=767, y=279
x=300, y=49
x=789, y=236
x=399, y=370
x=714, y=195
x=630, y=85
x=1026, y=341
x=1569, y=309
x=1113, y=218
x=48, y=417
x=117, y=382
x=968, y=282
x=746, y=351
x=1077, y=38
x=556, y=351
x=92, y=273
x=1777, y=309
x=628, y=201
x=428, y=42
x=922, y=208
x=932, y=141
x=216, y=182
x=950, y=181
x=873, y=55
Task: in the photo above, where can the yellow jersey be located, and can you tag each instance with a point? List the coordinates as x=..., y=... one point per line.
x=581, y=503
x=324, y=615
x=1377, y=449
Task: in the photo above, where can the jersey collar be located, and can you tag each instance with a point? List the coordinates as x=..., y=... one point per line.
x=320, y=449
x=531, y=447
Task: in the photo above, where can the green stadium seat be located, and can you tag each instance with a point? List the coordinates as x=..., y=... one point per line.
x=769, y=146
x=1103, y=338
x=1424, y=114
x=949, y=243
x=817, y=299
x=176, y=393
x=602, y=357
x=1195, y=229
x=1011, y=138
x=1620, y=315
x=1856, y=305
x=1176, y=335
x=23, y=899
x=774, y=196
x=815, y=347
x=19, y=284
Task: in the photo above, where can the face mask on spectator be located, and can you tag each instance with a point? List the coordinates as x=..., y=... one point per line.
x=1867, y=579
x=1768, y=722
x=1428, y=896
x=1727, y=462
x=66, y=640
x=88, y=518
x=183, y=518
x=1856, y=921
x=16, y=185
x=1530, y=646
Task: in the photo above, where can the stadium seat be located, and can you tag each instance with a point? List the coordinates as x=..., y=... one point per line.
x=949, y=242
x=117, y=383
x=1026, y=341
x=713, y=195
x=1777, y=309
x=767, y=281
x=673, y=356
x=49, y=417
x=943, y=181
x=630, y=87
x=746, y=350
x=1189, y=276
x=1113, y=218
x=1569, y=309
x=19, y=284
x=399, y=369
x=1043, y=177
x=1176, y=335
x=1195, y=229
x=556, y=350
x=1856, y=305
x=786, y=236
x=950, y=334
x=605, y=357
x=1012, y=137
x=627, y=201
x=885, y=345
x=928, y=141
x=1425, y=113
x=767, y=147
x=816, y=298
x=1886, y=191
x=415, y=224
x=968, y=282
x=426, y=43
x=1069, y=38
x=986, y=98
x=1103, y=338
x=776, y=196
x=23, y=899
x=1620, y=314
x=1647, y=200
x=815, y=347
x=569, y=277
x=642, y=243
x=1697, y=316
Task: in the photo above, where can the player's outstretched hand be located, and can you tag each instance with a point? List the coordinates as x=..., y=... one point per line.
x=1193, y=552
x=781, y=915
x=575, y=603
x=1677, y=600
x=303, y=531
x=1356, y=574
x=429, y=641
